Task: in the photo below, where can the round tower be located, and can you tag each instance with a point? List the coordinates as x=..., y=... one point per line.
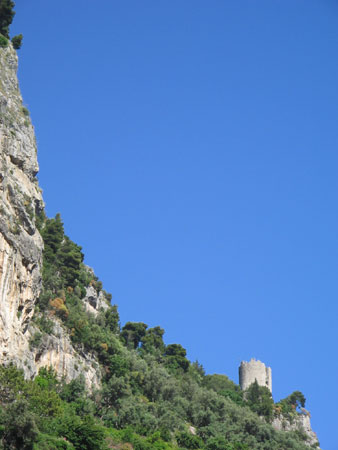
x=254, y=370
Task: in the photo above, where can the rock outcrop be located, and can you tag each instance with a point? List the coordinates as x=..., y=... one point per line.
x=94, y=302
x=56, y=350
x=301, y=423
x=21, y=245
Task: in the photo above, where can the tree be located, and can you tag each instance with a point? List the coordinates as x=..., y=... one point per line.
x=153, y=340
x=52, y=234
x=11, y=382
x=297, y=399
x=290, y=404
x=6, y=16
x=46, y=378
x=20, y=428
x=133, y=332
x=74, y=389
x=175, y=357
x=219, y=383
x=69, y=257
x=84, y=433
x=220, y=443
x=17, y=41
x=188, y=440
x=112, y=319
x=260, y=400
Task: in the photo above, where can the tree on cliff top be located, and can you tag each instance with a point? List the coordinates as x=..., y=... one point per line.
x=260, y=400
x=6, y=16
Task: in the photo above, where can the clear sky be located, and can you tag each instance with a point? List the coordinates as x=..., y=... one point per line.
x=191, y=148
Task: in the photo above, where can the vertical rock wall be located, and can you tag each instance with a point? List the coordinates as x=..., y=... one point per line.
x=20, y=200
x=300, y=423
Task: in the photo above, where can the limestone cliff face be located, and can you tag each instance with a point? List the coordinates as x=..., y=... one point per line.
x=21, y=245
x=56, y=351
x=300, y=423
x=94, y=302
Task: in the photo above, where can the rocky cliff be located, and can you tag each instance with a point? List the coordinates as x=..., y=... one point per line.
x=300, y=423
x=21, y=245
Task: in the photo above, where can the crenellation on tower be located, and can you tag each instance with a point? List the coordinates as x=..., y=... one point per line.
x=254, y=370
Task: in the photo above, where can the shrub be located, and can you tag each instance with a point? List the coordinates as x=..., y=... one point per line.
x=46, y=442
x=83, y=434
x=60, y=308
x=132, y=333
x=175, y=357
x=188, y=440
x=25, y=111
x=44, y=323
x=17, y=41
x=20, y=427
x=35, y=340
x=3, y=41
x=259, y=400
x=219, y=443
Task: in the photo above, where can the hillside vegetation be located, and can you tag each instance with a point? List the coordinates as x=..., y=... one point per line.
x=152, y=396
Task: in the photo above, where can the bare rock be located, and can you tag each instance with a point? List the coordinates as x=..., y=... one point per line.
x=301, y=422
x=20, y=200
x=94, y=302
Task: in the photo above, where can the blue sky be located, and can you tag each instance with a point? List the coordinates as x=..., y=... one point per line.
x=191, y=148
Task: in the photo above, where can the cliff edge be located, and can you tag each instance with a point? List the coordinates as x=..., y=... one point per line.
x=21, y=245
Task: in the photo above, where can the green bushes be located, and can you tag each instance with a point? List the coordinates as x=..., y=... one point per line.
x=84, y=434
x=132, y=333
x=220, y=443
x=43, y=323
x=260, y=400
x=20, y=430
x=47, y=442
x=152, y=341
x=25, y=110
x=3, y=41
x=291, y=404
x=17, y=41
x=150, y=407
x=188, y=440
x=175, y=357
x=35, y=340
x=132, y=440
x=36, y=416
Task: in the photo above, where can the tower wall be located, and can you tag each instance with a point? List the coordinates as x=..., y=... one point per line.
x=254, y=370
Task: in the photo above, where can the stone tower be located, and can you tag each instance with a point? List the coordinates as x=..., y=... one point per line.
x=254, y=370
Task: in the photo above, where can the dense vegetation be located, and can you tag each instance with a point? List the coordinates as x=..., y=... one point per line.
x=151, y=396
